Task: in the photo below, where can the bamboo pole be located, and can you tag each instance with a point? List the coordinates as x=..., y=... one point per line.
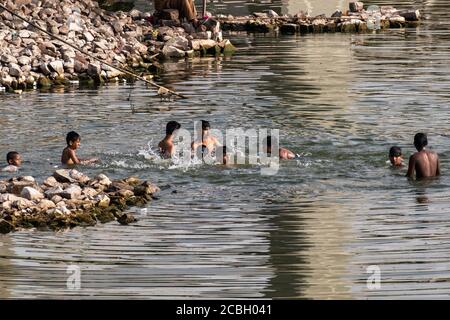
x=204, y=9
x=163, y=89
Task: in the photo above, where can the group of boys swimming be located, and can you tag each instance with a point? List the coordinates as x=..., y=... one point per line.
x=208, y=143
x=424, y=163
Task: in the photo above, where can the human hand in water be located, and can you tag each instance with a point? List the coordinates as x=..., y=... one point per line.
x=90, y=161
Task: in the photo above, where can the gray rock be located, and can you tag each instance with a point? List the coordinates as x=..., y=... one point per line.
x=52, y=192
x=94, y=69
x=45, y=205
x=24, y=60
x=45, y=69
x=30, y=193
x=57, y=66
x=63, y=176
x=88, y=36
x=51, y=182
x=6, y=59
x=172, y=52
x=71, y=192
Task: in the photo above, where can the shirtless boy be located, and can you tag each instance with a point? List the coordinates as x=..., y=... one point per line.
x=424, y=162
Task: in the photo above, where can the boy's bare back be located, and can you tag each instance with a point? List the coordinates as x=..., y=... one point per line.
x=166, y=148
x=425, y=163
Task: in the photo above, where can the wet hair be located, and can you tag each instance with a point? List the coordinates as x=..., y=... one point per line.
x=11, y=156
x=395, y=152
x=172, y=126
x=72, y=136
x=205, y=125
x=420, y=141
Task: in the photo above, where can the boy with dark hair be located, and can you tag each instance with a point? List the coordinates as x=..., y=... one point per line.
x=208, y=140
x=284, y=154
x=69, y=156
x=396, y=156
x=166, y=146
x=424, y=162
x=14, y=161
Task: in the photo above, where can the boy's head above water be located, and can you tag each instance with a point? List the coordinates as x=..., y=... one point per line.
x=171, y=127
x=396, y=156
x=73, y=140
x=420, y=141
x=205, y=125
x=14, y=159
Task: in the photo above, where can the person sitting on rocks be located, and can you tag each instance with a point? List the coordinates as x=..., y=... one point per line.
x=69, y=156
x=284, y=153
x=186, y=8
x=166, y=146
x=14, y=161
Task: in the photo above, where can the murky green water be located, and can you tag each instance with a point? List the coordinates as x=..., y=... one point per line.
x=311, y=231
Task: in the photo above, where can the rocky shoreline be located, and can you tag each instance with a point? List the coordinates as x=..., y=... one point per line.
x=68, y=199
x=30, y=58
x=356, y=19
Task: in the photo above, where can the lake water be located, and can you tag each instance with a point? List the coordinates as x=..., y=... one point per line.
x=311, y=231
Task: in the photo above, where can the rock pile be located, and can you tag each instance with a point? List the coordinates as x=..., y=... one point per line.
x=356, y=19
x=68, y=199
x=29, y=57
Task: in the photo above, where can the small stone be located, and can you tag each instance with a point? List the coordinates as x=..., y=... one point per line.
x=57, y=66
x=63, y=176
x=126, y=218
x=31, y=194
x=89, y=192
x=22, y=203
x=94, y=69
x=56, y=199
x=145, y=188
x=103, y=180
x=51, y=182
x=24, y=60
x=125, y=193
x=45, y=205
x=14, y=70
x=16, y=187
x=56, y=191
x=6, y=59
x=78, y=176
x=103, y=201
x=71, y=192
